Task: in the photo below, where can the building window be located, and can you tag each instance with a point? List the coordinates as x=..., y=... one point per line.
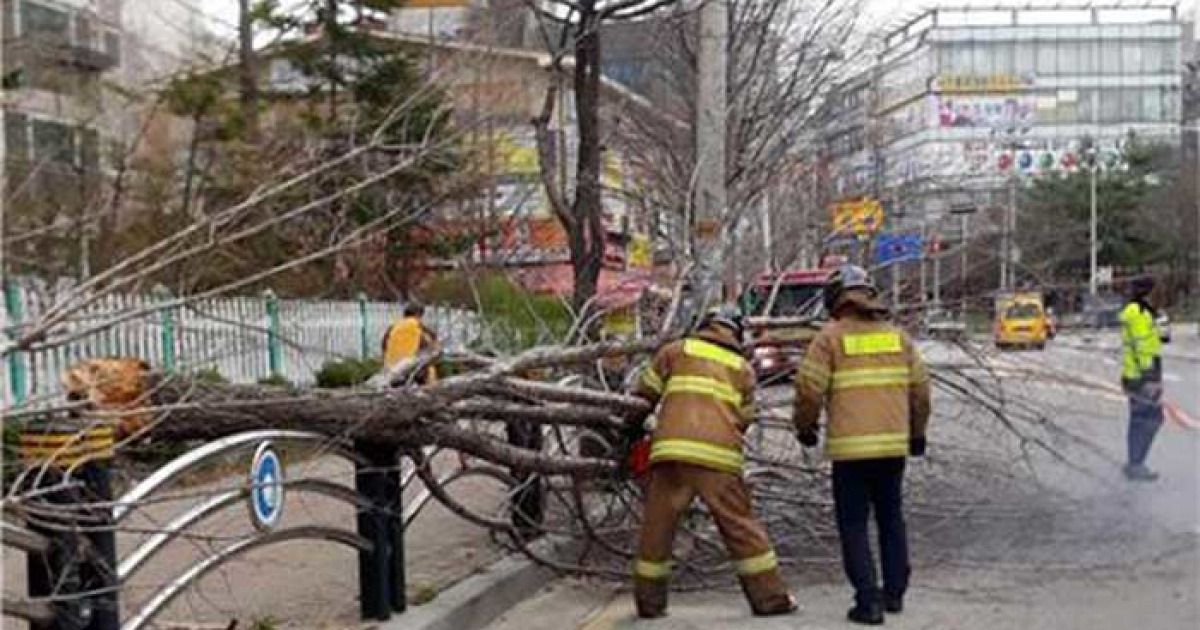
x=112, y=46
x=1131, y=105
x=42, y=22
x=1110, y=106
x=1110, y=58
x=1047, y=58
x=1154, y=53
x=1026, y=58
x=16, y=142
x=1131, y=58
x=54, y=142
x=981, y=59
x=1084, y=106
x=84, y=35
x=1152, y=104
x=1002, y=58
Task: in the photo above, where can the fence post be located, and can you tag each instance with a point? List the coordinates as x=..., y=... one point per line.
x=381, y=572
x=167, y=321
x=274, y=351
x=17, y=378
x=364, y=349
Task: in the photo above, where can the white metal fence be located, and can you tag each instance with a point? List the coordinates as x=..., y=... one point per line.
x=245, y=339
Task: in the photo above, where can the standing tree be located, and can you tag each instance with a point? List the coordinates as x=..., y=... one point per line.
x=573, y=28
x=1138, y=215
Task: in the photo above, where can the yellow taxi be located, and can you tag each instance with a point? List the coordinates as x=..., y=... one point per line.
x=1021, y=323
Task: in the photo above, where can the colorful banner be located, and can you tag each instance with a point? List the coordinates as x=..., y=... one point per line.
x=1007, y=115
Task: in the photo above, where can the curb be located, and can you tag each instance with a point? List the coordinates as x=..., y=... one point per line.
x=478, y=600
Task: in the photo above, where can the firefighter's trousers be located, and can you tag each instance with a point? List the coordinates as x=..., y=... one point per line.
x=672, y=487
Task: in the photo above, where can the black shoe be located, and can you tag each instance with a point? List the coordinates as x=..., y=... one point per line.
x=1139, y=472
x=866, y=615
x=893, y=605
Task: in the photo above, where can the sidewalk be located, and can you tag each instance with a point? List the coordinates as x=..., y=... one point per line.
x=1159, y=595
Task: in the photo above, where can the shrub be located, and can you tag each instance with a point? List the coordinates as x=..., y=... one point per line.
x=347, y=372
x=211, y=375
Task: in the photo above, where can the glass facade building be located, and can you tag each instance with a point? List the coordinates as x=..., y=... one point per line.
x=962, y=102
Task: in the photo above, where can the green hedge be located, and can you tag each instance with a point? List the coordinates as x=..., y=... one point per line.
x=347, y=372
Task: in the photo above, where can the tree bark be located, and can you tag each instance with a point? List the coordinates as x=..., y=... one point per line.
x=587, y=241
x=248, y=71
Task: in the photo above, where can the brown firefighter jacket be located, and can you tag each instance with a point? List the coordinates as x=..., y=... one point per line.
x=870, y=377
x=706, y=392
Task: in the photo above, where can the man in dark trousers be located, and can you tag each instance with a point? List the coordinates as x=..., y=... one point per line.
x=870, y=378
x=1141, y=377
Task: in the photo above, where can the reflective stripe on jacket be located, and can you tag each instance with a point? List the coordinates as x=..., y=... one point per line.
x=1141, y=344
x=705, y=392
x=871, y=378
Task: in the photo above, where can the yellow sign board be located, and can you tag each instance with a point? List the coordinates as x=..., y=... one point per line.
x=965, y=83
x=640, y=253
x=858, y=216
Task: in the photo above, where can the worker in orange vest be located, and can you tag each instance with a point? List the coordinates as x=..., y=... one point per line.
x=704, y=389
x=409, y=338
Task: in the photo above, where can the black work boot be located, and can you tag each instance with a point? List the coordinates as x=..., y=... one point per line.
x=866, y=614
x=893, y=604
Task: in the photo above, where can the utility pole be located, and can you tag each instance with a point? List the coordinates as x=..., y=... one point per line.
x=1010, y=211
x=711, y=193
x=1093, y=219
x=1092, y=229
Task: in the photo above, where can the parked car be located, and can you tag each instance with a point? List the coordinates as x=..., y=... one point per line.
x=939, y=324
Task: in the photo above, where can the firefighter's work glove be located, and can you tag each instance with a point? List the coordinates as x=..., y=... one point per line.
x=916, y=446
x=807, y=439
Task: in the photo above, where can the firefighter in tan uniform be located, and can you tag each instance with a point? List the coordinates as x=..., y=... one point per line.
x=704, y=389
x=870, y=378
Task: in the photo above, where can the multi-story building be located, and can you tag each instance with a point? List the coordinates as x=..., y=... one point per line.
x=57, y=54
x=964, y=104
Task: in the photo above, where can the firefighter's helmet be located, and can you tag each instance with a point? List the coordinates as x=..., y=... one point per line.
x=846, y=278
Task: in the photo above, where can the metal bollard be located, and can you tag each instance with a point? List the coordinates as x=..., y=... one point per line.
x=381, y=572
x=528, y=502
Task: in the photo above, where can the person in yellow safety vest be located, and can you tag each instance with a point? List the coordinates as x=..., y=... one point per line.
x=703, y=388
x=870, y=378
x=1141, y=377
x=408, y=338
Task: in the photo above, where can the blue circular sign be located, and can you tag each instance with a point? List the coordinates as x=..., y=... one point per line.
x=266, y=487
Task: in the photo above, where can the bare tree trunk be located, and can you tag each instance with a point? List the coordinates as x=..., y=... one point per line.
x=587, y=241
x=248, y=70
